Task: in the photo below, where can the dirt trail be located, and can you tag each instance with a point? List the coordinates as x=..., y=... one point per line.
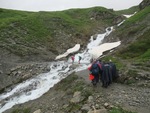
x=131, y=98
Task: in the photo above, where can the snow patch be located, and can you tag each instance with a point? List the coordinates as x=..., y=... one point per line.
x=98, y=51
x=71, y=50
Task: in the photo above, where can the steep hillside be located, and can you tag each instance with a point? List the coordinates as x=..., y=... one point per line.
x=46, y=34
x=134, y=34
x=43, y=35
x=133, y=56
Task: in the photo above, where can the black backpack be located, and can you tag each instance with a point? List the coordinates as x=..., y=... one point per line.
x=95, y=69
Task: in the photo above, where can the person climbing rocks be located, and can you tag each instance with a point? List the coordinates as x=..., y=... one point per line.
x=72, y=58
x=80, y=59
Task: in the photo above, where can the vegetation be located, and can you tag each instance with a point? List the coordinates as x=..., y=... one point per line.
x=115, y=60
x=138, y=16
x=139, y=49
x=119, y=110
x=25, y=110
x=24, y=33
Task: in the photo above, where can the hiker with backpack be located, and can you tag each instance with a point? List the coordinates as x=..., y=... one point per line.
x=113, y=70
x=95, y=71
x=106, y=75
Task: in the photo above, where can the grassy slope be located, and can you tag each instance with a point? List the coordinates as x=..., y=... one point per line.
x=23, y=33
x=139, y=49
x=135, y=36
x=133, y=56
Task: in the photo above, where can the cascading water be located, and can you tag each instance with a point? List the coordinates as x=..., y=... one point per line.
x=36, y=87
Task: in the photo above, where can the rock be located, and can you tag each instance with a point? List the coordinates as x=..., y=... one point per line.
x=106, y=105
x=85, y=107
x=65, y=106
x=13, y=69
x=90, y=99
x=76, y=97
x=37, y=111
x=144, y=4
x=97, y=106
x=95, y=36
x=111, y=106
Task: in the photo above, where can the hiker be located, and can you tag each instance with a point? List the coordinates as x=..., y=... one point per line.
x=113, y=70
x=106, y=75
x=95, y=70
x=72, y=58
x=80, y=59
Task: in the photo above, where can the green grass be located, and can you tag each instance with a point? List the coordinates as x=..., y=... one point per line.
x=47, y=29
x=140, y=49
x=146, y=55
x=119, y=110
x=134, y=24
x=24, y=110
x=138, y=16
x=115, y=60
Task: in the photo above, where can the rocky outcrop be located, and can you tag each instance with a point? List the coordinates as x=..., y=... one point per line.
x=144, y=4
x=118, y=19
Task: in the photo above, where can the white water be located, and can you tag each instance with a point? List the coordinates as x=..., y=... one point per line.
x=36, y=87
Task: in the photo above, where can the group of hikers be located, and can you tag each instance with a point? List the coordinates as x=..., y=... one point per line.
x=106, y=72
x=73, y=58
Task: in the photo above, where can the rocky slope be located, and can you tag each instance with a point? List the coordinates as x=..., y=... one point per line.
x=27, y=37
x=75, y=93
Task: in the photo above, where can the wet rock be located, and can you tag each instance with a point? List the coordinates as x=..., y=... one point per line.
x=94, y=37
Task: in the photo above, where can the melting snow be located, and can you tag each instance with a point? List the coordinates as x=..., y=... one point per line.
x=71, y=50
x=128, y=16
x=36, y=87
